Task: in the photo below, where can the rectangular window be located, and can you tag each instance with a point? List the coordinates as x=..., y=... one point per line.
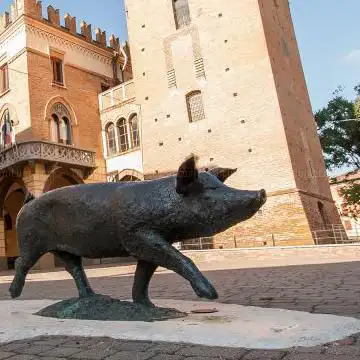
x=181, y=13
x=4, y=78
x=57, y=65
x=195, y=106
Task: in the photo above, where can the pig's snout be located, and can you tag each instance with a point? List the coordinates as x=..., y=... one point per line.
x=262, y=196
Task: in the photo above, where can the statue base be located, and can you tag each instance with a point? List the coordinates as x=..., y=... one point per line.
x=105, y=308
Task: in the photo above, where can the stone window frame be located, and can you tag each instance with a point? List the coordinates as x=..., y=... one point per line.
x=122, y=129
x=111, y=140
x=4, y=79
x=181, y=11
x=125, y=140
x=60, y=118
x=195, y=106
x=57, y=59
x=134, y=131
x=118, y=175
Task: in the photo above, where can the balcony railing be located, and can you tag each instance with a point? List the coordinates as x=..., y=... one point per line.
x=117, y=95
x=46, y=152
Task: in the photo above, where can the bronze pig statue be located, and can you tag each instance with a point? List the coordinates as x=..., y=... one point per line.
x=139, y=219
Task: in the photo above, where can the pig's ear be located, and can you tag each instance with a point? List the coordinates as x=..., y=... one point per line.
x=222, y=173
x=186, y=175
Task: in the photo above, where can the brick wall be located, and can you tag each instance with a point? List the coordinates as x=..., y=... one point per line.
x=286, y=256
x=80, y=94
x=258, y=116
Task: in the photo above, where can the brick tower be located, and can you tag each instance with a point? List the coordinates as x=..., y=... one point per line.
x=225, y=80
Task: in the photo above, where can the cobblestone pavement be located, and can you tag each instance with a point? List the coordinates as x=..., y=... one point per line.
x=327, y=289
x=76, y=348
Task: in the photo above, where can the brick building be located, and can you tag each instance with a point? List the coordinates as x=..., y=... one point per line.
x=224, y=81
x=50, y=79
x=350, y=214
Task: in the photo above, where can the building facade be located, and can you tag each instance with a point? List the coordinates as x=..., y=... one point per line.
x=225, y=82
x=50, y=78
x=350, y=214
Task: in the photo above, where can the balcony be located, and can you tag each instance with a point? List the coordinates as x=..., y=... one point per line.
x=29, y=152
x=117, y=96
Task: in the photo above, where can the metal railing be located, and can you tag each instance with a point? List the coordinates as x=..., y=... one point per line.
x=46, y=151
x=117, y=95
x=334, y=234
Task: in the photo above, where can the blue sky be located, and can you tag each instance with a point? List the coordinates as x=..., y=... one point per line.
x=327, y=32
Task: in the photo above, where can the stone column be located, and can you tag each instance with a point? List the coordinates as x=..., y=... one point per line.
x=3, y=258
x=34, y=178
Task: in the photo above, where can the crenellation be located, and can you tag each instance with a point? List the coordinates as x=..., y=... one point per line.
x=53, y=15
x=114, y=43
x=13, y=12
x=4, y=21
x=33, y=8
x=86, y=30
x=100, y=37
x=70, y=23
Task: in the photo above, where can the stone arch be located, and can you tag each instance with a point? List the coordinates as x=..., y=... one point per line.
x=5, y=184
x=61, y=177
x=59, y=99
x=13, y=113
x=130, y=173
x=12, y=196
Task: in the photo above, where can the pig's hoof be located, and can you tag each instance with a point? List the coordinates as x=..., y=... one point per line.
x=205, y=290
x=145, y=302
x=15, y=290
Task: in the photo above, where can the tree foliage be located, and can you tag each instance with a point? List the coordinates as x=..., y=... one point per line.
x=340, y=140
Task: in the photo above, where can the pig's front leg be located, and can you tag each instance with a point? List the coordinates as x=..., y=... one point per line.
x=152, y=248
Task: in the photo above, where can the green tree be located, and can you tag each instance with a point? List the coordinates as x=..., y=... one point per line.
x=340, y=140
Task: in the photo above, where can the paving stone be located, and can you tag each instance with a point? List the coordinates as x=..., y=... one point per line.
x=131, y=355
x=5, y=354
x=24, y=357
x=166, y=348
x=343, y=350
x=15, y=346
x=264, y=355
x=204, y=358
x=133, y=346
x=49, y=342
x=207, y=351
x=168, y=357
x=35, y=349
x=62, y=351
x=94, y=354
x=319, y=357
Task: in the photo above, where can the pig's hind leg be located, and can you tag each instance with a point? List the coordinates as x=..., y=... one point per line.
x=143, y=274
x=23, y=264
x=73, y=265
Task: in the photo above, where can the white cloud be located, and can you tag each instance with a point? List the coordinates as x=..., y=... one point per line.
x=353, y=57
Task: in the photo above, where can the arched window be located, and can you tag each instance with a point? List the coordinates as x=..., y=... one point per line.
x=60, y=125
x=134, y=130
x=110, y=138
x=181, y=13
x=7, y=130
x=195, y=106
x=130, y=178
x=123, y=135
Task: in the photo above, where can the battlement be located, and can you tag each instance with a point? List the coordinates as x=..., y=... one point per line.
x=34, y=9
